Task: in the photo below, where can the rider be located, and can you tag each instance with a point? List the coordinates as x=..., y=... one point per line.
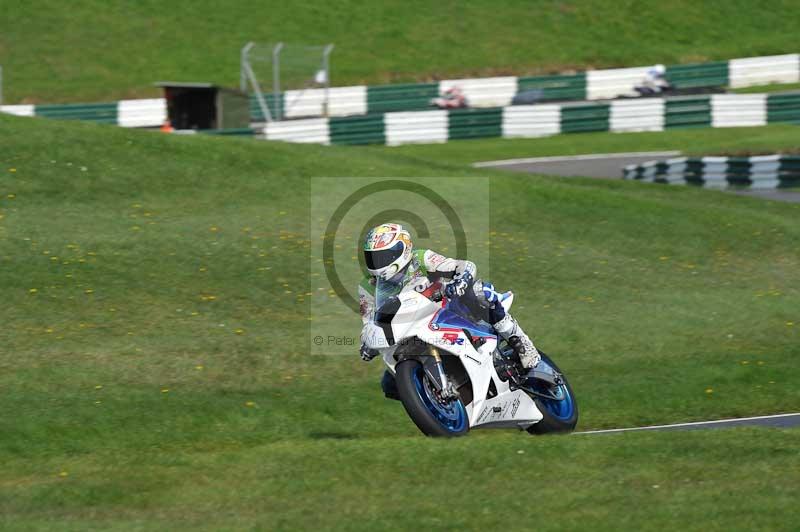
x=389, y=254
x=655, y=82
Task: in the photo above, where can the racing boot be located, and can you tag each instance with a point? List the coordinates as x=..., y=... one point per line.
x=509, y=329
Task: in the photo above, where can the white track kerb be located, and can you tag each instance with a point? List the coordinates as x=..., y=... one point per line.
x=776, y=420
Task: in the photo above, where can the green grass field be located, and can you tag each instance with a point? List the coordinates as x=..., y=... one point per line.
x=91, y=50
x=155, y=370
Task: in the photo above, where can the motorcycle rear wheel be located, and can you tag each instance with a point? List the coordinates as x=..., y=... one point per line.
x=432, y=416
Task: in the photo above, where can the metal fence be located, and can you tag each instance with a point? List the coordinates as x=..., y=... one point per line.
x=296, y=74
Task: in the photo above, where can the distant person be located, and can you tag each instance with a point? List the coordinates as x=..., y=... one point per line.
x=655, y=82
x=452, y=98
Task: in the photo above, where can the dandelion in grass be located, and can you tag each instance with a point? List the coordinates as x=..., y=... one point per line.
x=33, y=290
x=709, y=391
x=249, y=404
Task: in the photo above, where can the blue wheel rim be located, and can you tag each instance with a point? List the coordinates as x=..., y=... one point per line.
x=562, y=408
x=452, y=415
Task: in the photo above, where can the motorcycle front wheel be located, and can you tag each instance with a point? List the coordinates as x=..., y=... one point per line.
x=556, y=403
x=432, y=415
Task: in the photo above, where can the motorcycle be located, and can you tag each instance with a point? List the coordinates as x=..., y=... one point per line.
x=453, y=373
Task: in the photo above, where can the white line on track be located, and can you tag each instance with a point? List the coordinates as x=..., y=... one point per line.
x=587, y=157
x=731, y=421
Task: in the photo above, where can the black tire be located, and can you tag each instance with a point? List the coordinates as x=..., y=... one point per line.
x=551, y=423
x=416, y=409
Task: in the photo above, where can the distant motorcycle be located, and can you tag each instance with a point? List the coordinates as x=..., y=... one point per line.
x=454, y=373
x=452, y=98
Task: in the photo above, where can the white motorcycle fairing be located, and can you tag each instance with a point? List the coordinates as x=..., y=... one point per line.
x=493, y=403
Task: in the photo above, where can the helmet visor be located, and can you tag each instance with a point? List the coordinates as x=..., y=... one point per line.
x=381, y=258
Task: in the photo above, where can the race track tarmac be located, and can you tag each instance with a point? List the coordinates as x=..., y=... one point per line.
x=609, y=166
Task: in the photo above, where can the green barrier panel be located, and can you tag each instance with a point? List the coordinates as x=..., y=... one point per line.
x=790, y=163
x=584, y=117
x=367, y=129
x=738, y=171
x=401, y=97
x=233, y=132
x=789, y=171
x=475, y=123
x=689, y=111
x=558, y=87
x=694, y=172
x=698, y=75
x=783, y=107
x=104, y=113
x=255, y=110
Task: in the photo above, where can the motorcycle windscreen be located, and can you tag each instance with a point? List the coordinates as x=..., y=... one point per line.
x=447, y=319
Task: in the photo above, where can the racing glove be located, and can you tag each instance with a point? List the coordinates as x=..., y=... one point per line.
x=367, y=353
x=459, y=285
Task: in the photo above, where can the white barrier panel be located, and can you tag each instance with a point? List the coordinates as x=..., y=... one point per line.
x=531, y=120
x=764, y=171
x=676, y=171
x=649, y=171
x=484, y=92
x=715, y=172
x=342, y=101
x=646, y=114
x=764, y=70
x=415, y=127
x=738, y=110
x=141, y=113
x=19, y=110
x=312, y=131
x=614, y=82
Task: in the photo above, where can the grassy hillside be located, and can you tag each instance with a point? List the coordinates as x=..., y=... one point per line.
x=92, y=50
x=155, y=368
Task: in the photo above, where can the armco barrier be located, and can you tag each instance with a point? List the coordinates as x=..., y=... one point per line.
x=531, y=120
x=582, y=117
x=105, y=113
x=699, y=75
x=760, y=172
x=18, y=110
x=141, y=113
x=687, y=111
x=783, y=108
x=481, y=92
x=526, y=121
x=644, y=114
x=563, y=87
x=408, y=97
x=367, y=129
